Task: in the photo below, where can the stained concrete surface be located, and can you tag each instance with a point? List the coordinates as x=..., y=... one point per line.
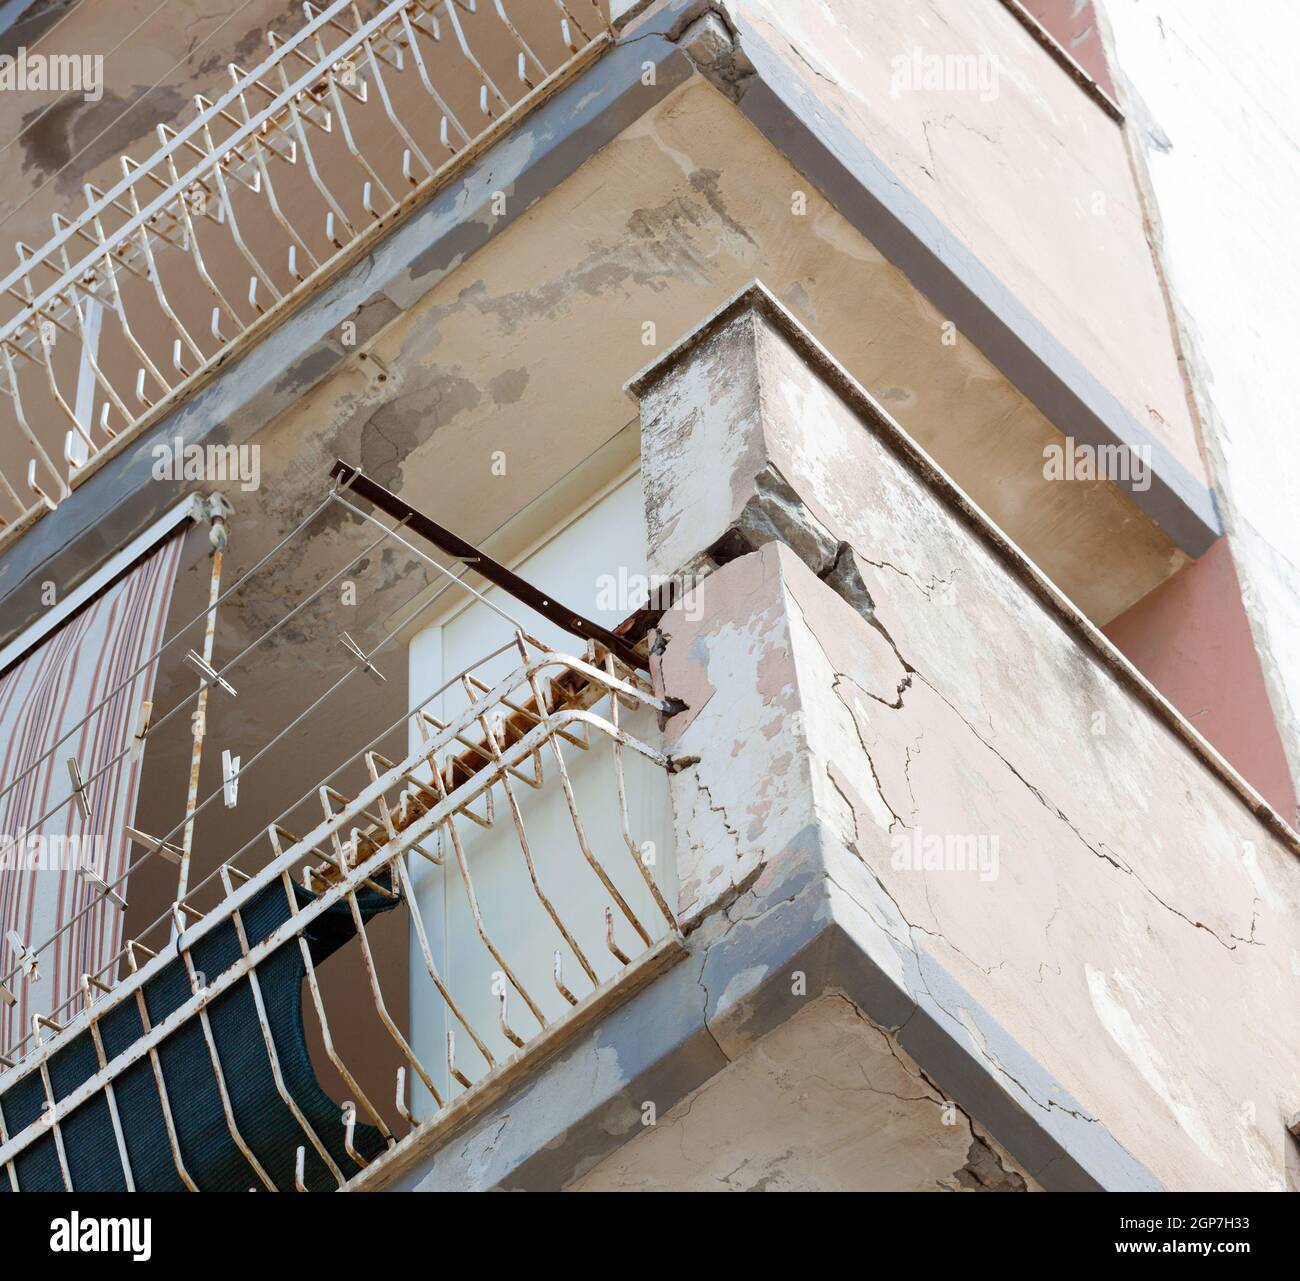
x=1111, y=902
x=826, y=1102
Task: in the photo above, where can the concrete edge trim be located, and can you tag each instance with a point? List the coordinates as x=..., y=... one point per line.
x=755, y=296
x=780, y=104
x=979, y=1065
x=679, y=1031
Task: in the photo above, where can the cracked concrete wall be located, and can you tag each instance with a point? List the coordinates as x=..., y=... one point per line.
x=1036, y=829
x=843, y=1109
x=491, y=327
x=978, y=120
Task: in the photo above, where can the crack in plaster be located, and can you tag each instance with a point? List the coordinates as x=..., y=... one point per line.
x=927, y=591
x=844, y=579
x=1101, y=853
x=981, y=1154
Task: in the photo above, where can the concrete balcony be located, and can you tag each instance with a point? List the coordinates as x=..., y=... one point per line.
x=966, y=903
x=951, y=898
x=989, y=347
x=194, y=1072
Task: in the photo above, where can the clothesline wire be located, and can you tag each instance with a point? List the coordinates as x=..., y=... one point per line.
x=215, y=873
x=332, y=496
x=167, y=644
x=108, y=765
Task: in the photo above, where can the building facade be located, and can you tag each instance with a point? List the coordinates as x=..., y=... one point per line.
x=691, y=596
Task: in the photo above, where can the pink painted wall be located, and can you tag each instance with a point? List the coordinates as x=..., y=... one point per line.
x=1191, y=639
x=1074, y=27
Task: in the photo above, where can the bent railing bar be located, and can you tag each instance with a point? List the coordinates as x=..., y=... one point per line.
x=290, y=929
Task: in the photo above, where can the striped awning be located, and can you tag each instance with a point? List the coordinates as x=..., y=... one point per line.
x=50, y=710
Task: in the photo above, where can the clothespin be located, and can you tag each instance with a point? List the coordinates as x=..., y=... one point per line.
x=142, y=729
x=8, y=998
x=25, y=957
x=171, y=853
x=208, y=673
x=91, y=877
x=358, y=656
x=230, y=778
x=78, y=787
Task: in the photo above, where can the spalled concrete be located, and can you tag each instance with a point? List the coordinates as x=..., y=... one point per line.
x=1042, y=833
x=842, y=1108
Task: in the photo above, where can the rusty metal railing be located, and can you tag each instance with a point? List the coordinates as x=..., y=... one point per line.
x=466, y=771
x=243, y=209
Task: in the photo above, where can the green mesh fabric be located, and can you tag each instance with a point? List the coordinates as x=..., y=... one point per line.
x=208, y=1151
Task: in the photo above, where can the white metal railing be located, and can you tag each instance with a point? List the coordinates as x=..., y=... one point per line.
x=466, y=768
x=171, y=268
x=485, y=790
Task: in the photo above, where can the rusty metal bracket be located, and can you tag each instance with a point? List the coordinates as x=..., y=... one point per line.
x=357, y=482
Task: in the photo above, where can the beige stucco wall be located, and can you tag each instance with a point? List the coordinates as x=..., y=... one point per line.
x=1104, y=895
x=1022, y=166
x=522, y=349
x=155, y=58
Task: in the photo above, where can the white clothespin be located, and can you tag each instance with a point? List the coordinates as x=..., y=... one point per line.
x=91, y=877
x=24, y=956
x=230, y=778
x=358, y=656
x=171, y=853
x=217, y=510
x=208, y=673
x=78, y=787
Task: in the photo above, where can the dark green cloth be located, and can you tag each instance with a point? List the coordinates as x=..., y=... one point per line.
x=209, y=1152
